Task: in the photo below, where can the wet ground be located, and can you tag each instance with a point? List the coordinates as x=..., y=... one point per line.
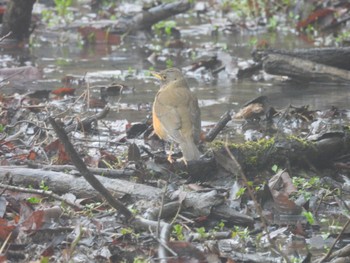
x=61, y=54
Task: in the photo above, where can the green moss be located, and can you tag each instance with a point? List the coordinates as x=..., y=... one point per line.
x=303, y=142
x=252, y=152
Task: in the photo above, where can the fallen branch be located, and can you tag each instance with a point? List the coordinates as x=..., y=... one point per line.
x=211, y=135
x=338, y=57
x=96, y=184
x=82, y=125
x=142, y=20
x=40, y=192
x=63, y=183
x=110, y=173
x=302, y=69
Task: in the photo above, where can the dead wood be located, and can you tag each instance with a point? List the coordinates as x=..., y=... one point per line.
x=84, y=171
x=198, y=170
x=146, y=19
x=211, y=135
x=332, y=56
x=227, y=249
x=143, y=20
x=110, y=173
x=167, y=211
x=284, y=151
x=224, y=212
x=41, y=192
x=62, y=183
x=85, y=124
x=302, y=69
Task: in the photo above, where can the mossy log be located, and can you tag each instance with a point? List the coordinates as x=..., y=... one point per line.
x=284, y=152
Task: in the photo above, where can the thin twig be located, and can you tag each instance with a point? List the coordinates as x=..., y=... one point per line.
x=90, y=178
x=5, y=36
x=161, y=209
x=40, y=192
x=335, y=242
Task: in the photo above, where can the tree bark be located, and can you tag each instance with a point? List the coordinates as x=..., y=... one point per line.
x=17, y=19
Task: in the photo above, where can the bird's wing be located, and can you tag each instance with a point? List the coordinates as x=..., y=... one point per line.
x=168, y=116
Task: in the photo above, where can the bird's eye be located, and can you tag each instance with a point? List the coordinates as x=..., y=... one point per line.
x=164, y=77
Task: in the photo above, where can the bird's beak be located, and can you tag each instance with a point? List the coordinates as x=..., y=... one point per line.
x=156, y=74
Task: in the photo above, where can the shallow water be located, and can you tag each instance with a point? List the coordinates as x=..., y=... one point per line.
x=128, y=64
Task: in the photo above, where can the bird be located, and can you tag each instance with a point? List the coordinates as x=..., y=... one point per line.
x=176, y=114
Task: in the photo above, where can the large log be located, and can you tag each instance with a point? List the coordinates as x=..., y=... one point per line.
x=336, y=57
x=303, y=69
x=294, y=152
x=142, y=20
x=62, y=183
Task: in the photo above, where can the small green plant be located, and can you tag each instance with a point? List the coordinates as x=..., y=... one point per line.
x=90, y=208
x=201, y=231
x=240, y=192
x=219, y=227
x=242, y=234
x=293, y=16
x=310, y=30
x=305, y=186
x=169, y=63
x=62, y=7
x=126, y=231
x=178, y=231
x=309, y=217
x=134, y=211
x=300, y=182
x=342, y=36
x=43, y=186
x=275, y=168
x=296, y=260
x=34, y=200
x=140, y=260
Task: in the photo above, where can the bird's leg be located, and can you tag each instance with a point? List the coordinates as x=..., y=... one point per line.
x=170, y=160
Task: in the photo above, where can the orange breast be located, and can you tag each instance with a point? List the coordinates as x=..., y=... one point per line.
x=158, y=128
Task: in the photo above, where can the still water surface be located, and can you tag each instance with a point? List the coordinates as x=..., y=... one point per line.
x=128, y=64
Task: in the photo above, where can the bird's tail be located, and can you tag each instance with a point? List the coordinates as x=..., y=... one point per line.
x=189, y=150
